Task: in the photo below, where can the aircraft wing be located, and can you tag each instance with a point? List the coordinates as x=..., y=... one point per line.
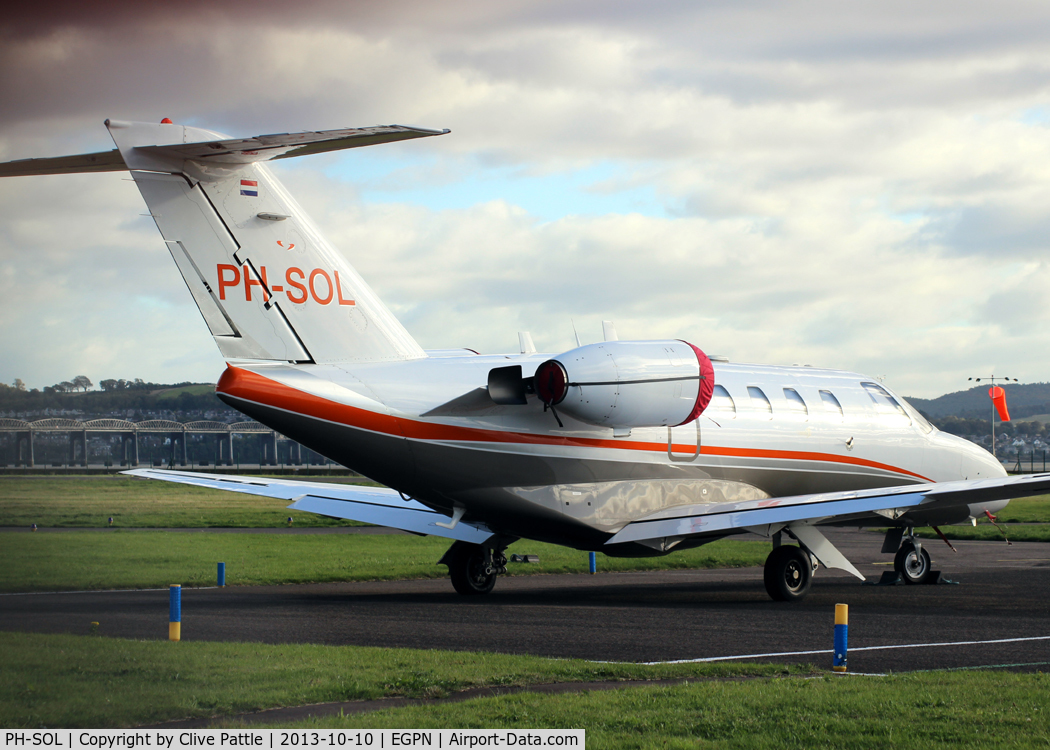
x=811, y=510
x=379, y=505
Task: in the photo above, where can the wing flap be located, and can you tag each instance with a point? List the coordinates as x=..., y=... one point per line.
x=379, y=505
x=406, y=519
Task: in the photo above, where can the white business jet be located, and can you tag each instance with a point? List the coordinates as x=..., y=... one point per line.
x=632, y=448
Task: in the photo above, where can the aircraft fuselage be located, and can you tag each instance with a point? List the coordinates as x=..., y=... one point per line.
x=428, y=428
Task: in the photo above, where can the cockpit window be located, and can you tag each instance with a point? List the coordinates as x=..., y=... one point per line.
x=722, y=402
x=831, y=404
x=917, y=418
x=760, y=402
x=795, y=403
x=885, y=404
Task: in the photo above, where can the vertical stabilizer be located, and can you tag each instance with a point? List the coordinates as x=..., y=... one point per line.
x=266, y=281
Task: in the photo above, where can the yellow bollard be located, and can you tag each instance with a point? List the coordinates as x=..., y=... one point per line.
x=841, y=636
x=175, y=612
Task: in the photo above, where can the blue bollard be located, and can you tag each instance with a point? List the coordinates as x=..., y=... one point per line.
x=175, y=612
x=594, y=563
x=221, y=577
x=841, y=636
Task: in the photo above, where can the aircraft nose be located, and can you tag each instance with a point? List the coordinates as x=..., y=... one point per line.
x=977, y=463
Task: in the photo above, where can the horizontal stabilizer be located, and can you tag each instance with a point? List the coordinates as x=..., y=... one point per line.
x=286, y=145
x=226, y=151
x=103, y=161
x=379, y=505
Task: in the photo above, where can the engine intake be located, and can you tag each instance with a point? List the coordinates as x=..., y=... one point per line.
x=628, y=383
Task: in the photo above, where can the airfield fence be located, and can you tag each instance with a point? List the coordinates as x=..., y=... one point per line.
x=1030, y=464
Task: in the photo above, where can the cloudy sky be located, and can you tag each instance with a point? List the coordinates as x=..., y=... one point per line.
x=855, y=185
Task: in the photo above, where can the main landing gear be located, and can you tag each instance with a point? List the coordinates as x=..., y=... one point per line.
x=788, y=573
x=473, y=567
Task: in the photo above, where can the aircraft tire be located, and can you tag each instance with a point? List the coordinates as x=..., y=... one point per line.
x=912, y=568
x=466, y=567
x=788, y=573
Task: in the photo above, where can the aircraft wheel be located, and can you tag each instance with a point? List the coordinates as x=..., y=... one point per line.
x=467, y=567
x=913, y=567
x=788, y=573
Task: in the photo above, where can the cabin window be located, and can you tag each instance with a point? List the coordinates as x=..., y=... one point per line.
x=795, y=403
x=831, y=404
x=885, y=404
x=759, y=402
x=721, y=401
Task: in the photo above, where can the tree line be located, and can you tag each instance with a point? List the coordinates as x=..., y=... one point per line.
x=79, y=383
x=127, y=397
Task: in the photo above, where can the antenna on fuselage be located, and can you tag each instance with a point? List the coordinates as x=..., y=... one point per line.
x=525, y=345
x=574, y=332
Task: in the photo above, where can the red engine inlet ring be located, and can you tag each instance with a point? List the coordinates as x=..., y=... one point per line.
x=707, y=383
x=552, y=382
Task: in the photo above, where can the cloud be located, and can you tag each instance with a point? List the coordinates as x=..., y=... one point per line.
x=857, y=186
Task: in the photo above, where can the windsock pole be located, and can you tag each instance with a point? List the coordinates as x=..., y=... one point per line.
x=998, y=396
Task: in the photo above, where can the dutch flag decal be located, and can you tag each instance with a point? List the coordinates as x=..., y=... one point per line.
x=250, y=187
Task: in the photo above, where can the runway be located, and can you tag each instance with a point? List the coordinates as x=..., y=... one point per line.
x=1004, y=593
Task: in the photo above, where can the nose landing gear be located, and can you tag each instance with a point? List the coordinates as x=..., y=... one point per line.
x=912, y=562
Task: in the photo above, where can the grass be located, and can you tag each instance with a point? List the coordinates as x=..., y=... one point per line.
x=1026, y=510
x=927, y=710
x=91, y=681
x=89, y=501
x=82, y=560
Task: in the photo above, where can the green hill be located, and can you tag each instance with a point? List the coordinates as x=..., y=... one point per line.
x=1023, y=400
x=167, y=394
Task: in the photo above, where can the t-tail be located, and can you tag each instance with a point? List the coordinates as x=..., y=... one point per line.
x=268, y=284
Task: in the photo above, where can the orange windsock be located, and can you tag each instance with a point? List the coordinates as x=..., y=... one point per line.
x=999, y=399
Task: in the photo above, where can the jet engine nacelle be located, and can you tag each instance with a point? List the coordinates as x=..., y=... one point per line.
x=623, y=384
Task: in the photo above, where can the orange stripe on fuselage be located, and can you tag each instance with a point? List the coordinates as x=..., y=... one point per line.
x=251, y=386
